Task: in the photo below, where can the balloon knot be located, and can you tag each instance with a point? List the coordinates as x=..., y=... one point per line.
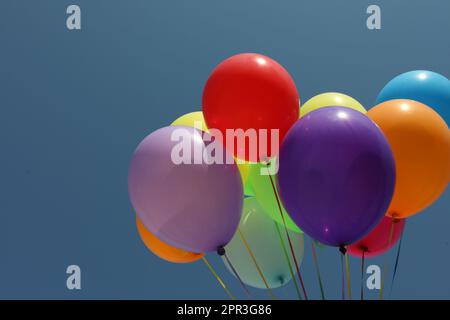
x=394, y=216
x=343, y=250
x=364, y=248
x=395, y=220
x=221, y=251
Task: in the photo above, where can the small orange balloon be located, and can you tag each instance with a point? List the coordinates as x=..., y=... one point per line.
x=163, y=250
x=420, y=142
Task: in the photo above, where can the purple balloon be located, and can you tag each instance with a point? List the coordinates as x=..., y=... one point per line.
x=195, y=207
x=336, y=175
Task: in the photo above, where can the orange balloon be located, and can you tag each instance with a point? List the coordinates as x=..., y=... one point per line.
x=420, y=142
x=163, y=250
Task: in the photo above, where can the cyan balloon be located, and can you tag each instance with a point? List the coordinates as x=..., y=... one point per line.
x=260, y=232
x=424, y=86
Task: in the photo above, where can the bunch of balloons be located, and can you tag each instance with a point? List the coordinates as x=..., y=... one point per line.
x=344, y=176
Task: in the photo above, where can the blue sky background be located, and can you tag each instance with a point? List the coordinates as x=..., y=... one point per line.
x=74, y=105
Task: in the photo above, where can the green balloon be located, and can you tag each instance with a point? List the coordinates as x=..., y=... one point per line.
x=263, y=191
x=248, y=189
x=260, y=233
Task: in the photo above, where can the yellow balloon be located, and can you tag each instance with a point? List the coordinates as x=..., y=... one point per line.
x=331, y=99
x=244, y=169
x=193, y=119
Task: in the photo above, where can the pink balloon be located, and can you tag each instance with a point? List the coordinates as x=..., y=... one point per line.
x=191, y=206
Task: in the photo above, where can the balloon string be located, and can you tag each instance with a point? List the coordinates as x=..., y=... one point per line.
x=256, y=264
x=316, y=264
x=343, y=276
x=383, y=274
x=362, y=274
x=289, y=239
x=297, y=289
x=347, y=270
x=232, y=297
x=247, y=292
x=396, y=261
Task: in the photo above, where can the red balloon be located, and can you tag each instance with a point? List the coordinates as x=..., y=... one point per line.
x=251, y=91
x=377, y=241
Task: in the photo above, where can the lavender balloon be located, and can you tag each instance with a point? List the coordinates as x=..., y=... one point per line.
x=191, y=205
x=336, y=175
